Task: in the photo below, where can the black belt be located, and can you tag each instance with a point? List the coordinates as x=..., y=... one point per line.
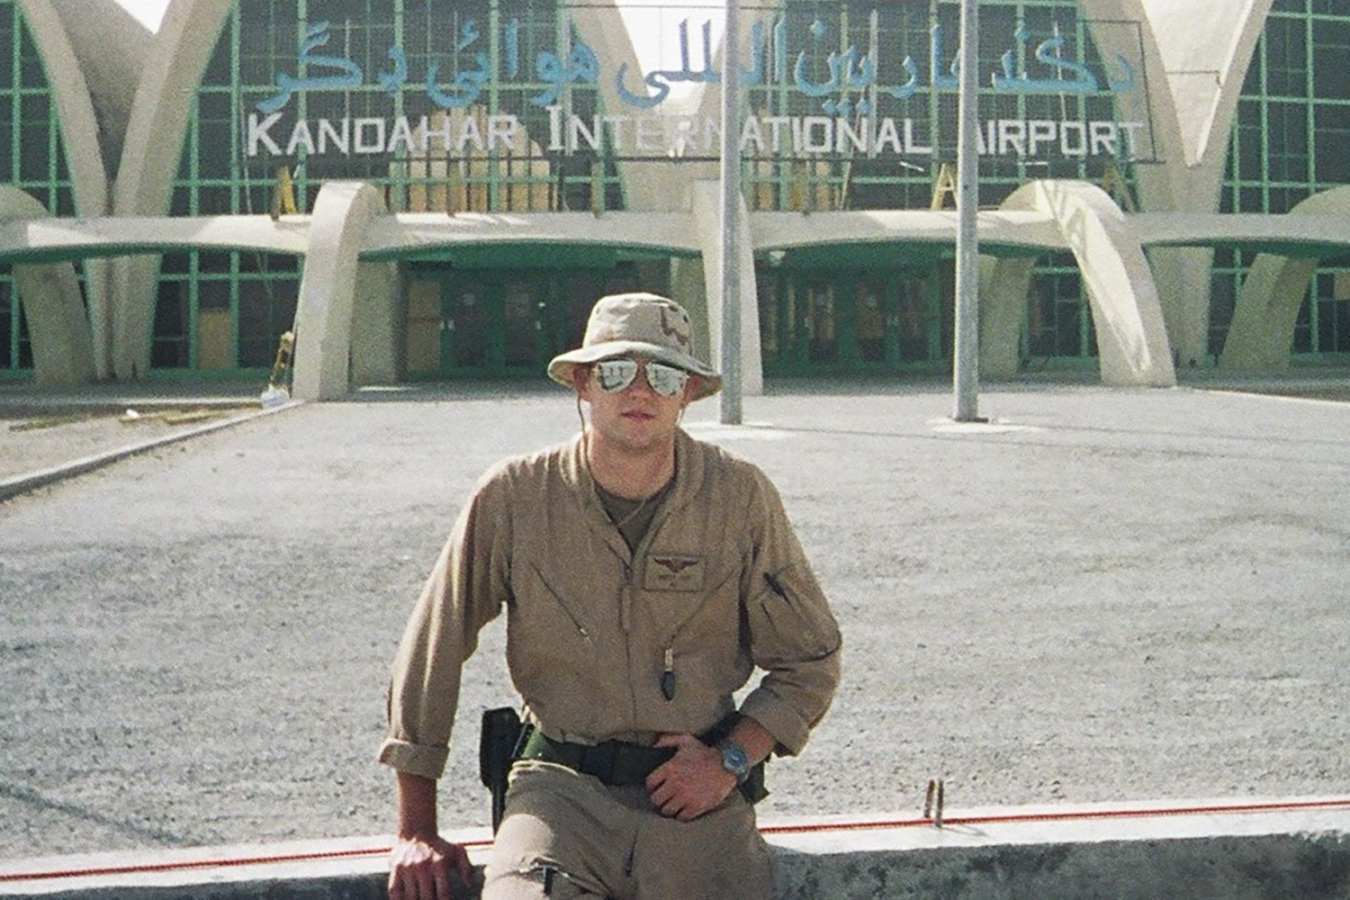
x=616, y=763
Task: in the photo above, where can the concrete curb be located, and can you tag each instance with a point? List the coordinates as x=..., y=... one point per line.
x=1141, y=851
x=21, y=484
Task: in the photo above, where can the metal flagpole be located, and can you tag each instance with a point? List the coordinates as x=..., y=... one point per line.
x=730, y=224
x=966, y=353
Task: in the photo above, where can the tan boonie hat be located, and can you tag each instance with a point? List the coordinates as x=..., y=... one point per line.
x=643, y=325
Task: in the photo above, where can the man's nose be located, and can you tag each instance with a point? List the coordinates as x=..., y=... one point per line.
x=640, y=382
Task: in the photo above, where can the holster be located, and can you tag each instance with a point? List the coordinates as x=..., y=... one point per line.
x=501, y=731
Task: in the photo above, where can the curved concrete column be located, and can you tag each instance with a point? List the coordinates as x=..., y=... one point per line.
x=1131, y=337
x=646, y=187
x=343, y=211
x=1004, y=284
x=150, y=157
x=1196, y=59
x=1124, y=27
x=1206, y=47
x=70, y=95
x=63, y=347
x=1262, y=331
x=378, y=324
x=112, y=47
x=598, y=26
x=84, y=160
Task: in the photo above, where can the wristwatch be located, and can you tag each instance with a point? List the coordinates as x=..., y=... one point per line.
x=735, y=760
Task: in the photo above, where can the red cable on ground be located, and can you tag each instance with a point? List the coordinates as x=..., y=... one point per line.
x=1064, y=816
x=1343, y=803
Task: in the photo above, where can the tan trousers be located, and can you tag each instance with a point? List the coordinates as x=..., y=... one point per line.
x=566, y=835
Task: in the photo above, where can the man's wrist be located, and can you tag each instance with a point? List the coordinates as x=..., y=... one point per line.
x=735, y=759
x=425, y=837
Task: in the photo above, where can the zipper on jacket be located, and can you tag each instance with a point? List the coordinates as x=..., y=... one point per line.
x=668, y=679
x=626, y=602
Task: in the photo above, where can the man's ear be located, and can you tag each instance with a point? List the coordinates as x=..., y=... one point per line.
x=581, y=379
x=692, y=387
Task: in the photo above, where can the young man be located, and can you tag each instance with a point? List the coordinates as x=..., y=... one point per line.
x=645, y=576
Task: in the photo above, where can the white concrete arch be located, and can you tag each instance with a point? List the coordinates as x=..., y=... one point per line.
x=1131, y=338
x=154, y=139
x=343, y=213
x=1123, y=27
x=1196, y=55
x=112, y=47
x=84, y=157
x=1206, y=47
x=151, y=153
x=63, y=348
x=70, y=95
x=597, y=24
x=1201, y=49
x=1262, y=330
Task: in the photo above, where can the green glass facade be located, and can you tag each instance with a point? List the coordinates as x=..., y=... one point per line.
x=227, y=311
x=32, y=157
x=847, y=308
x=903, y=321
x=895, y=33
x=1290, y=141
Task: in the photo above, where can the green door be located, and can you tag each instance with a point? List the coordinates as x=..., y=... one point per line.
x=510, y=322
x=873, y=341
x=851, y=320
x=492, y=323
x=465, y=327
x=522, y=301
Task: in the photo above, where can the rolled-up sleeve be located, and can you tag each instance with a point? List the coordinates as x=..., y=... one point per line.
x=793, y=636
x=465, y=591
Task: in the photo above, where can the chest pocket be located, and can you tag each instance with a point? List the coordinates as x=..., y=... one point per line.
x=674, y=572
x=689, y=599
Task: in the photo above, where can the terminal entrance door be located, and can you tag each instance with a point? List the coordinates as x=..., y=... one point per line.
x=858, y=321
x=497, y=322
x=490, y=324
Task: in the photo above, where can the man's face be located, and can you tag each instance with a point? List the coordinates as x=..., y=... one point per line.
x=633, y=417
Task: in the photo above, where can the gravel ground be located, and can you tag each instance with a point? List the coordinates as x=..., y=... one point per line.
x=36, y=437
x=1104, y=594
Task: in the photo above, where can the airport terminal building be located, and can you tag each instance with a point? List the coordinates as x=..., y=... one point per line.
x=440, y=189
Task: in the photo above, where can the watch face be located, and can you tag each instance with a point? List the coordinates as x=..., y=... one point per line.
x=735, y=760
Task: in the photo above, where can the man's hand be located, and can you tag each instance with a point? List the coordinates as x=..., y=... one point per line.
x=420, y=869
x=691, y=782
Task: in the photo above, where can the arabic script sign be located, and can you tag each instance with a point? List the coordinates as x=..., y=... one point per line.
x=852, y=100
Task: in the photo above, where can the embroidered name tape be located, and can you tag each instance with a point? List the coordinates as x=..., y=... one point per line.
x=669, y=572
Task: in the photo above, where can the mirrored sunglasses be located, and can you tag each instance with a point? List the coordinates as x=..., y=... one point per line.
x=614, y=375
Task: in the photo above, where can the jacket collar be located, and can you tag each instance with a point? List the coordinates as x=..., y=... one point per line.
x=690, y=461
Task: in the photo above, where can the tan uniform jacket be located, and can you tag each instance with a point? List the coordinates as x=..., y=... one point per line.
x=718, y=586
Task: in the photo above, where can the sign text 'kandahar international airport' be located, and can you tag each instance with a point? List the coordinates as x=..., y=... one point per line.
x=851, y=109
